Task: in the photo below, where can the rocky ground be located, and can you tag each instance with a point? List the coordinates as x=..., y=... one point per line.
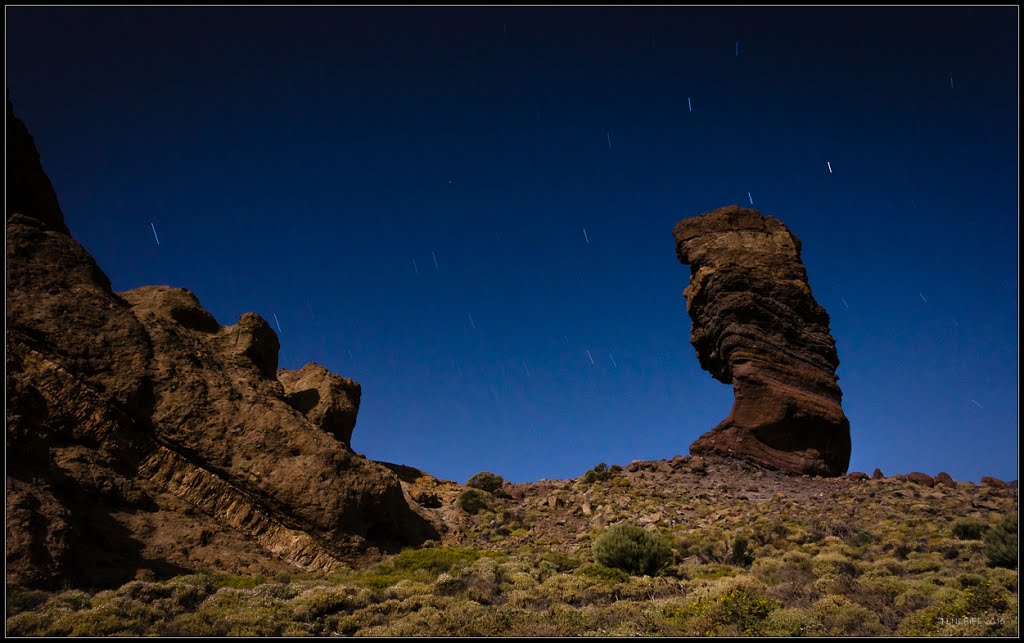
x=755, y=552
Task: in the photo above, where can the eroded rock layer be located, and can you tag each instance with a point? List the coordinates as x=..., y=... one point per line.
x=757, y=326
x=142, y=434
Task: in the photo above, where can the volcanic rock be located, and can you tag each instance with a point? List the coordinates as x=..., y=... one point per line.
x=142, y=434
x=697, y=464
x=757, y=326
x=329, y=401
x=921, y=478
x=945, y=480
x=857, y=475
x=994, y=483
x=877, y=474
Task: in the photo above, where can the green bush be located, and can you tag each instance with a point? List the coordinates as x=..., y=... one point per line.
x=633, y=550
x=737, y=612
x=601, y=472
x=747, y=611
x=558, y=561
x=606, y=574
x=740, y=552
x=437, y=560
x=473, y=501
x=418, y=564
x=984, y=602
x=1001, y=543
x=968, y=530
x=486, y=481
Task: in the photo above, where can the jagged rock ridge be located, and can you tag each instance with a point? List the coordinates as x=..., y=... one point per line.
x=757, y=326
x=142, y=434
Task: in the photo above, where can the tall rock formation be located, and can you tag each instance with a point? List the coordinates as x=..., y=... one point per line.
x=142, y=434
x=757, y=326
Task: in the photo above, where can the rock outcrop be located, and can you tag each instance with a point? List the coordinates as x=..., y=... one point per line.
x=327, y=400
x=757, y=326
x=142, y=434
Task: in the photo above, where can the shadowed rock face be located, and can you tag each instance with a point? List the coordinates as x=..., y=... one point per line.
x=757, y=326
x=142, y=434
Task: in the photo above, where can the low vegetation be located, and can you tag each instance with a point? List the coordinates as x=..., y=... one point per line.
x=628, y=554
x=1001, y=543
x=633, y=550
x=486, y=481
x=473, y=501
x=601, y=472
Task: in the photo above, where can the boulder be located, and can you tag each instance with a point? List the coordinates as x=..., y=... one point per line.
x=994, y=483
x=697, y=464
x=921, y=478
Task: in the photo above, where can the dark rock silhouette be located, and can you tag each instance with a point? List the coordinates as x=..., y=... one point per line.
x=143, y=435
x=757, y=326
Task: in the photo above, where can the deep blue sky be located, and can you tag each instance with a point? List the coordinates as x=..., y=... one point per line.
x=297, y=162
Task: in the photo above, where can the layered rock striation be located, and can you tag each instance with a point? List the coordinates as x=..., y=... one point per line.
x=757, y=326
x=142, y=434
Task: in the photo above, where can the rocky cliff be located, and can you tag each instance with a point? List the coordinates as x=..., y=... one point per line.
x=757, y=326
x=142, y=434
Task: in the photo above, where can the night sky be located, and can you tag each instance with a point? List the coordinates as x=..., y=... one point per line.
x=470, y=211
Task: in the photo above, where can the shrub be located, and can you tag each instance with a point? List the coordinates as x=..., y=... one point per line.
x=20, y=599
x=418, y=564
x=739, y=552
x=1001, y=543
x=747, y=611
x=839, y=616
x=31, y=624
x=437, y=560
x=601, y=472
x=968, y=530
x=558, y=561
x=473, y=501
x=486, y=481
x=822, y=529
x=738, y=611
x=633, y=550
x=792, y=622
x=712, y=546
x=606, y=574
x=320, y=601
x=982, y=602
x=233, y=581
